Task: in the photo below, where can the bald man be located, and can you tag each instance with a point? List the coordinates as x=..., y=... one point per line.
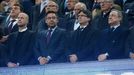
x=20, y=44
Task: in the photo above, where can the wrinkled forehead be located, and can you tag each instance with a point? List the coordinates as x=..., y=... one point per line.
x=107, y=1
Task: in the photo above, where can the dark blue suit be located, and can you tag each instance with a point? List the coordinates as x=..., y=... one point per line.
x=83, y=43
x=36, y=16
x=54, y=49
x=3, y=55
x=113, y=42
x=130, y=42
x=70, y=25
x=20, y=46
x=5, y=27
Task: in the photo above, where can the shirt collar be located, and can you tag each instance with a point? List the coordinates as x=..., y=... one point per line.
x=22, y=30
x=83, y=26
x=52, y=28
x=115, y=26
x=13, y=19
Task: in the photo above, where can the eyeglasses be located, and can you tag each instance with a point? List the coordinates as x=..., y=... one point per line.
x=51, y=18
x=82, y=16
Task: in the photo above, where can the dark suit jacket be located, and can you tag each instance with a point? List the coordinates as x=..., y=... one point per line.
x=20, y=46
x=3, y=55
x=113, y=42
x=5, y=27
x=130, y=42
x=83, y=43
x=101, y=21
x=70, y=25
x=54, y=49
x=36, y=16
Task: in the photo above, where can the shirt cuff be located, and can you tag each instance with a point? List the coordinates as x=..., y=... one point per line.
x=106, y=54
x=39, y=58
x=49, y=58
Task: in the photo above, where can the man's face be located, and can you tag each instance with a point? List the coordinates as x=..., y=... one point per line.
x=15, y=10
x=51, y=6
x=82, y=18
x=71, y=4
x=22, y=20
x=77, y=9
x=114, y=18
x=105, y=5
x=51, y=19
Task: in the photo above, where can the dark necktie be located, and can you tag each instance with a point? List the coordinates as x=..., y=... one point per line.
x=71, y=14
x=49, y=35
x=11, y=25
x=81, y=29
x=112, y=29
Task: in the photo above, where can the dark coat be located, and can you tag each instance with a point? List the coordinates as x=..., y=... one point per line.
x=54, y=49
x=20, y=46
x=3, y=55
x=113, y=42
x=83, y=43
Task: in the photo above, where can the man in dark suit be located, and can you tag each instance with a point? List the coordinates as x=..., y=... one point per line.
x=69, y=14
x=38, y=12
x=101, y=21
x=20, y=44
x=10, y=24
x=49, y=46
x=83, y=39
x=112, y=40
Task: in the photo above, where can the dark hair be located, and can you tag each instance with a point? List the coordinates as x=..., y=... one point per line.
x=87, y=13
x=51, y=12
x=19, y=5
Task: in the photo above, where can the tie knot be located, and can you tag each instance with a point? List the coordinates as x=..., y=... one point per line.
x=81, y=29
x=112, y=28
x=50, y=30
x=13, y=20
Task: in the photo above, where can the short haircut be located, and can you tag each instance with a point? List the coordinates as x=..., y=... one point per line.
x=51, y=12
x=118, y=12
x=87, y=13
x=19, y=5
x=82, y=5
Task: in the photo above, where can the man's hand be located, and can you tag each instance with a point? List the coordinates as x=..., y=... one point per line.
x=43, y=60
x=73, y=58
x=131, y=55
x=102, y=57
x=10, y=64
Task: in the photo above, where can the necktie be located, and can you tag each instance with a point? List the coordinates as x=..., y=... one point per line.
x=49, y=35
x=112, y=29
x=81, y=29
x=11, y=25
x=71, y=14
